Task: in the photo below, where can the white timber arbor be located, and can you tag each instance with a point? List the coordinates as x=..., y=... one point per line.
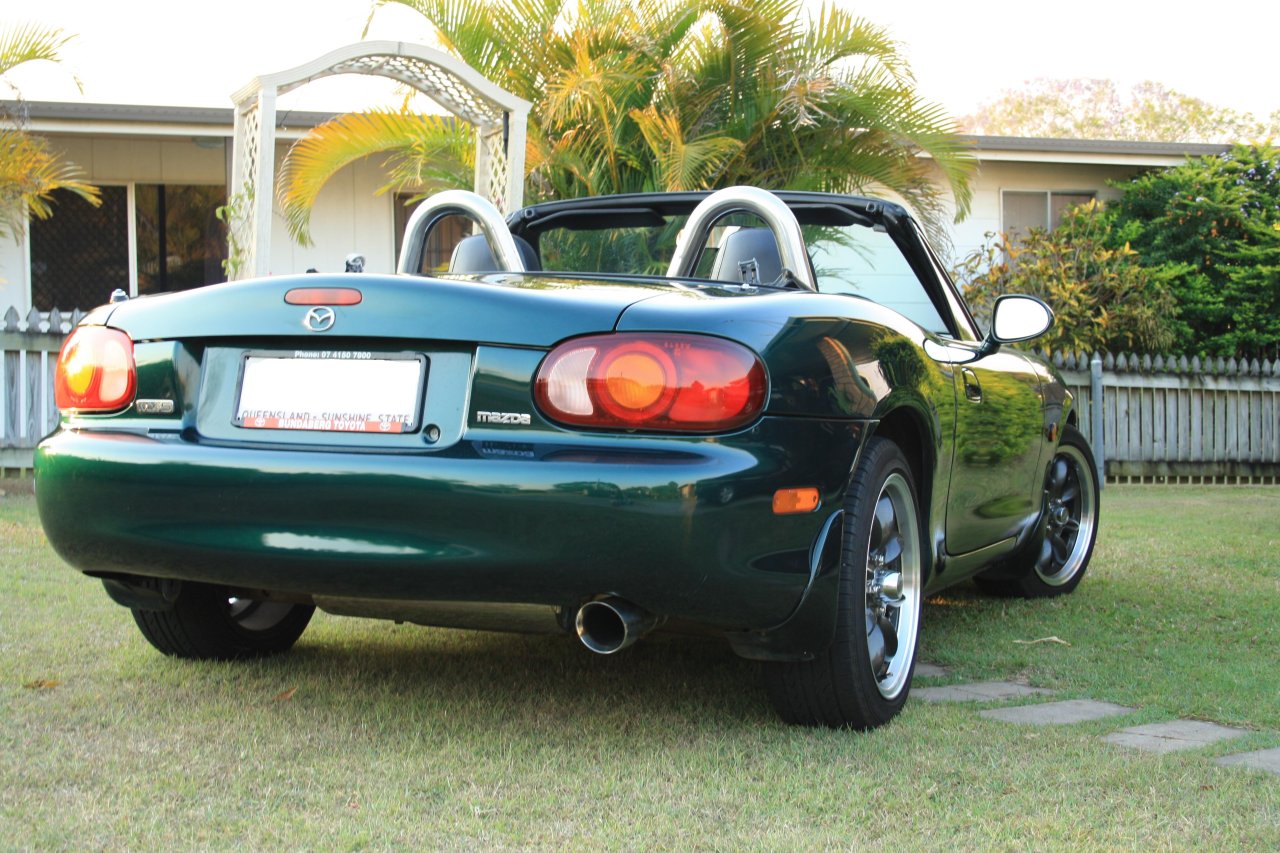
x=499, y=118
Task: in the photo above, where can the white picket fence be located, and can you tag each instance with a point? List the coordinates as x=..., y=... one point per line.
x=1164, y=419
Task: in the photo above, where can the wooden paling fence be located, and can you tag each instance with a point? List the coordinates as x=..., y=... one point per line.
x=28, y=350
x=1174, y=419
x=1163, y=418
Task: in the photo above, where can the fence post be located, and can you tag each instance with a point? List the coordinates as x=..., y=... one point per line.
x=1095, y=416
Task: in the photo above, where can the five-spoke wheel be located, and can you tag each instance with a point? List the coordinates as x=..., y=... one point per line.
x=1055, y=559
x=862, y=680
x=892, y=586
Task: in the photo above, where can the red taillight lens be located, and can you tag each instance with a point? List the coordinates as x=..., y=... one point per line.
x=95, y=371
x=675, y=382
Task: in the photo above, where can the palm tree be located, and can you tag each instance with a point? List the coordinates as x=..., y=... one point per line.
x=637, y=95
x=29, y=171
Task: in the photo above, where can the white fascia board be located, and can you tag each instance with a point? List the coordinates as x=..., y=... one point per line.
x=145, y=129
x=80, y=127
x=1080, y=158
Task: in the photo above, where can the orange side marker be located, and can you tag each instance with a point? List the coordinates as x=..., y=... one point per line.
x=793, y=501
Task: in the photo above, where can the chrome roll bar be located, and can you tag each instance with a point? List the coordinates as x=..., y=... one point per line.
x=764, y=204
x=476, y=208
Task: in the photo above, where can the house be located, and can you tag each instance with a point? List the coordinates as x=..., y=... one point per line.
x=1023, y=183
x=164, y=172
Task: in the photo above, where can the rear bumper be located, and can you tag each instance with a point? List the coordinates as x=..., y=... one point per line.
x=681, y=527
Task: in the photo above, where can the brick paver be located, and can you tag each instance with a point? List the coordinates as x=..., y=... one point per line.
x=1057, y=713
x=930, y=670
x=1173, y=736
x=981, y=691
x=1263, y=759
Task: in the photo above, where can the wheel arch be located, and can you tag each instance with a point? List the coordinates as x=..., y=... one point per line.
x=907, y=427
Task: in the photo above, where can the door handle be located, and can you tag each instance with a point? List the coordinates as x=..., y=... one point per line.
x=972, y=389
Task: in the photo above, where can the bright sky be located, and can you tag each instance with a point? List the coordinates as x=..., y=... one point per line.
x=178, y=52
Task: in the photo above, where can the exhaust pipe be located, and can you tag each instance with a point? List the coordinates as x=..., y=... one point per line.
x=608, y=625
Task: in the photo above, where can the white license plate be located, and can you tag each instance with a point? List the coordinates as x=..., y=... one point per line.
x=331, y=391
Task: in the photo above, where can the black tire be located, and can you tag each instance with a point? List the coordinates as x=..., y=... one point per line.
x=208, y=623
x=863, y=679
x=1054, y=561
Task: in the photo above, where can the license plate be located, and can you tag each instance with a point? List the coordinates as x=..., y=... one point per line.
x=331, y=391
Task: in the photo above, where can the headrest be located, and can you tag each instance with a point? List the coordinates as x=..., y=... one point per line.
x=472, y=254
x=745, y=250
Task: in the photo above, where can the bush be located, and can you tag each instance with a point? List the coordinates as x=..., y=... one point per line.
x=1211, y=228
x=1102, y=297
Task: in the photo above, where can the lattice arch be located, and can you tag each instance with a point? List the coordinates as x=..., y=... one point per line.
x=500, y=119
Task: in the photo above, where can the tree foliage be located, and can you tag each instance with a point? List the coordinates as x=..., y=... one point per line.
x=1211, y=228
x=30, y=172
x=641, y=95
x=1102, y=297
x=1097, y=109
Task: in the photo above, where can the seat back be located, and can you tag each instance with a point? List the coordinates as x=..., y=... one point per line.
x=748, y=256
x=473, y=255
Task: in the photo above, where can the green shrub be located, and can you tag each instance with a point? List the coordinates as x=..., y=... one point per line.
x=1102, y=297
x=1211, y=228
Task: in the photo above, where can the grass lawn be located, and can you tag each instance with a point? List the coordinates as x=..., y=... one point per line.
x=399, y=736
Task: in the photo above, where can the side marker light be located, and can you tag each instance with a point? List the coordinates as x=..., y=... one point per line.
x=794, y=501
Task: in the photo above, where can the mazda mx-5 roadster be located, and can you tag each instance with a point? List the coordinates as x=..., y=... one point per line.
x=765, y=417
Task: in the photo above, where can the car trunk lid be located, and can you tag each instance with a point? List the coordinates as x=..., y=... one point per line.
x=533, y=311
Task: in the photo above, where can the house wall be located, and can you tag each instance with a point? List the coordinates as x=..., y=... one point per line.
x=348, y=216
x=996, y=175
x=116, y=160
x=14, y=291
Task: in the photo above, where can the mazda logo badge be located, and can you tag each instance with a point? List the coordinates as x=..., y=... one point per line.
x=319, y=319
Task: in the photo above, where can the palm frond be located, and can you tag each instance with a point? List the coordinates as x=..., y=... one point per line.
x=423, y=149
x=674, y=94
x=682, y=164
x=838, y=37
x=30, y=173
x=30, y=43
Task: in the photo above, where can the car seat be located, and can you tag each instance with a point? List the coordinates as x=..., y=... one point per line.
x=473, y=255
x=748, y=256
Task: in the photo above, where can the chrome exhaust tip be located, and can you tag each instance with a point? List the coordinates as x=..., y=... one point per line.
x=608, y=625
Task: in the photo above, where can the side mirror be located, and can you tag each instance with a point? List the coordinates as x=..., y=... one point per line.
x=1016, y=318
x=1019, y=318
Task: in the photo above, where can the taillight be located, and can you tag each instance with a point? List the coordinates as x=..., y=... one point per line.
x=651, y=381
x=95, y=371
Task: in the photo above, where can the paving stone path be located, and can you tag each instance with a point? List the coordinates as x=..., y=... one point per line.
x=1172, y=736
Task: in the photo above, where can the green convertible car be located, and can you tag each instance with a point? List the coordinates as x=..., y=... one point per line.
x=767, y=417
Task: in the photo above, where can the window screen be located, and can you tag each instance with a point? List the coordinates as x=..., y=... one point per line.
x=1023, y=210
x=81, y=254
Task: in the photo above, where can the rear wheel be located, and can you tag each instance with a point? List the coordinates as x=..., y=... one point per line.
x=208, y=623
x=1054, y=562
x=862, y=680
